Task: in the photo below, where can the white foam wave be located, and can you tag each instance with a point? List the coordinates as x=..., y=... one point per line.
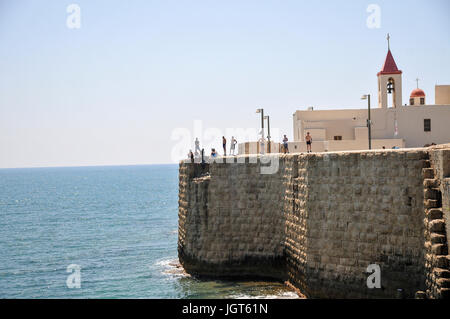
x=282, y=295
x=171, y=267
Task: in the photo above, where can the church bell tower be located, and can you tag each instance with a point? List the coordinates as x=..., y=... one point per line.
x=389, y=82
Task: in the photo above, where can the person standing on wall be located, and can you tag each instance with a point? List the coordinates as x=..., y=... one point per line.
x=203, y=157
x=261, y=145
x=197, y=145
x=285, y=144
x=308, y=139
x=233, y=145
x=224, y=142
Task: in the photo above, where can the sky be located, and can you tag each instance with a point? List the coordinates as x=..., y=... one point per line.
x=139, y=80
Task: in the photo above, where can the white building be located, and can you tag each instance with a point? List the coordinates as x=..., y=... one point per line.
x=413, y=125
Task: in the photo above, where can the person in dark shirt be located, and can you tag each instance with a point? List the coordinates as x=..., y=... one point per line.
x=224, y=142
x=285, y=144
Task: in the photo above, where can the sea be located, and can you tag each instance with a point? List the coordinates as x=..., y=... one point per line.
x=101, y=232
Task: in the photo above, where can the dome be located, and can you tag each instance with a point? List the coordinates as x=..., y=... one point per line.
x=417, y=93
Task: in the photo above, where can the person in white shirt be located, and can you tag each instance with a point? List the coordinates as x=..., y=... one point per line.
x=197, y=145
x=261, y=145
x=233, y=145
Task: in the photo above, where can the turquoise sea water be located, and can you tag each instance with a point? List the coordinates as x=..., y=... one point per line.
x=117, y=223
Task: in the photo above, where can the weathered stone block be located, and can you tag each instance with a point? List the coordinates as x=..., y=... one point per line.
x=430, y=193
x=437, y=225
x=428, y=173
x=434, y=213
x=443, y=282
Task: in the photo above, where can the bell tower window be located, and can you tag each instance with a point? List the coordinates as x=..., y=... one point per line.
x=390, y=89
x=390, y=86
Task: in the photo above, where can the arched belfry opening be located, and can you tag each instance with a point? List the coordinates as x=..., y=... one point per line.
x=389, y=83
x=390, y=86
x=390, y=89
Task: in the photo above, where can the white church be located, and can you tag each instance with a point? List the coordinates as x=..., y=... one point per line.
x=415, y=124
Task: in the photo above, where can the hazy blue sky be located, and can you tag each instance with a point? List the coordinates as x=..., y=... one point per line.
x=113, y=91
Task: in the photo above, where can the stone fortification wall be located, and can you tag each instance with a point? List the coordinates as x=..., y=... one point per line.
x=320, y=220
x=231, y=221
x=354, y=210
x=437, y=222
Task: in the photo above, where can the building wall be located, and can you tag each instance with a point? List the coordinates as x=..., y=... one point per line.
x=442, y=94
x=410, y=124
x=318, y=222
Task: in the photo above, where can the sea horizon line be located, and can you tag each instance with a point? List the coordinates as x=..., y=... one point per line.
x=89, y=165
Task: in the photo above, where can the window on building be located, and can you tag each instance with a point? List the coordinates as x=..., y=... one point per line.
x=338, y=138
x=422, y=101
x=411, y=101
x=427, y=125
